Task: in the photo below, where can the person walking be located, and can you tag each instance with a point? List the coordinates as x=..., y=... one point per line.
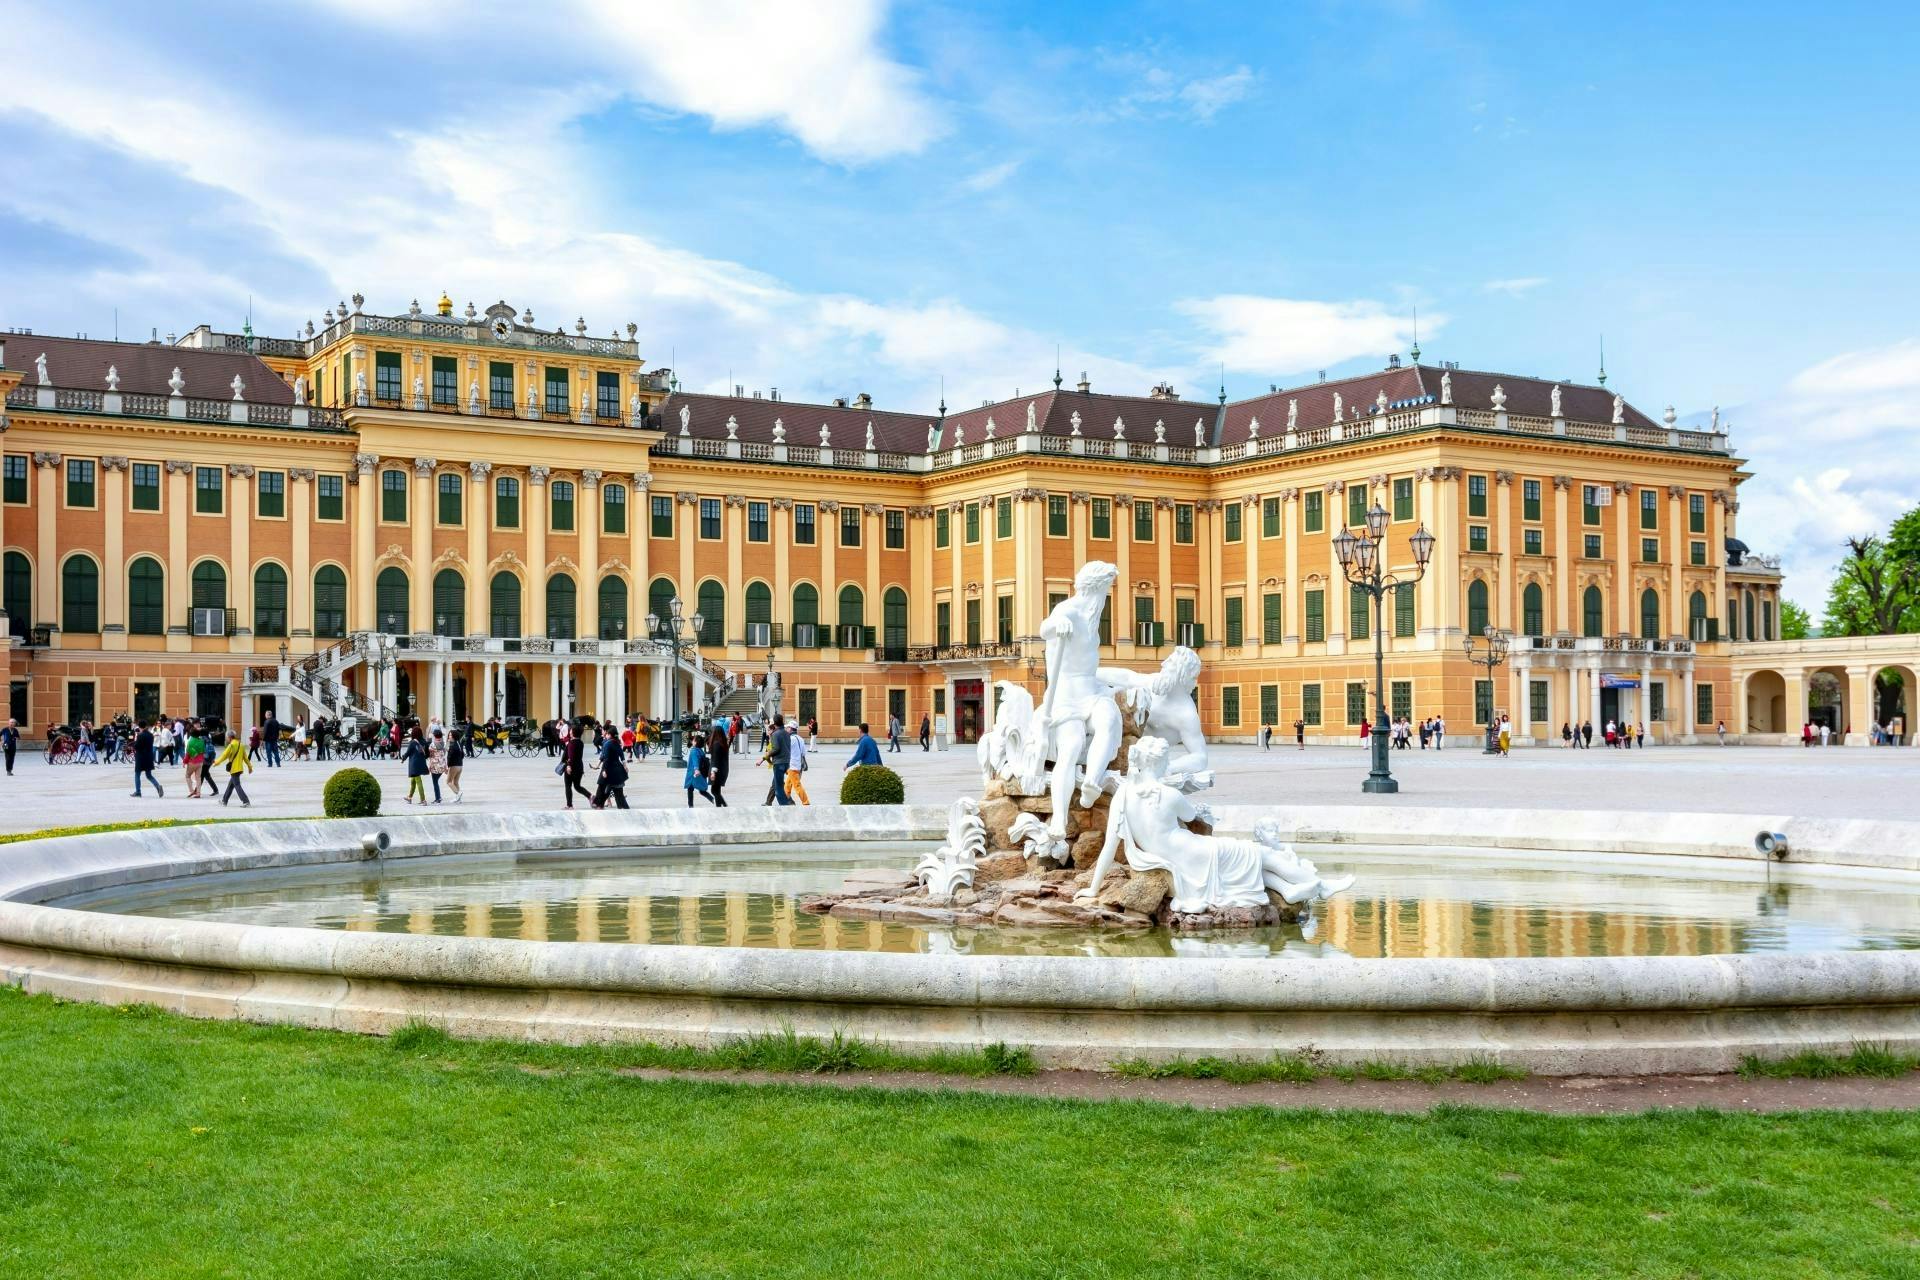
x=613, y=770
x=437, y=761
x=865, y=751
x=797, y=748
x=1586, y=735
x=926, y=732
x=572, y=767
x=776, y=755
x=696, y=779
x=194, y=755
x=1721, y=729
x=10, y=742
x=85, y=753
x=1506, y=736
x=1300, y=734
x=1640, y=735
x=1439, y=732
x=415, y=755
x=719, y=766
x=893, y=732
x=143, y=762
x=233, y=757
x=299, y=737
x=162, y=743
x=1366, y=731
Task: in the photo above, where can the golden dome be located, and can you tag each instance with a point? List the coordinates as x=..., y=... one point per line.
x=446, y=305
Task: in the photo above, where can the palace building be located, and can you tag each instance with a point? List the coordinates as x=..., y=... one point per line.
x=467, y=514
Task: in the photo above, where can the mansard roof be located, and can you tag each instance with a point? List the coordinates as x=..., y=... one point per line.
x=754, y=417
x=144, y=367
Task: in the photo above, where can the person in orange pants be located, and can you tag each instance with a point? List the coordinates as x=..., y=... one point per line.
x=796, y=766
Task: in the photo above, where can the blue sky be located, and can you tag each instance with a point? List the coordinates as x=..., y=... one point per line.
x=851, y=196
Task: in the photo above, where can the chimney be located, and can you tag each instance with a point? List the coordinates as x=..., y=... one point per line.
x=774, y=394
x=1323, y=375
x=1393, y=362
x=1083, y=386
x=863, y=401
x=839, y=402
x=739, y=389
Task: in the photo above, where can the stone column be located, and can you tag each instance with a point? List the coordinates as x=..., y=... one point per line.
x=1212, y=611
x=179, y=571
x=1448, y=551
x=539, y=515
x=240, y=530
x=46, y=578
x=1688, y=725
x=1294, y=607
x=366, y=499
x=639, y=551
x=1253, y=607
x=873, y=531
x=1625, y=607
x=1859, y=707
x=1505, y=590
x=424, y=515
x=1164, y=608
x=1123, y=561
x=1676, y=548
x=1563, y=619
x=733, y=517
x=300, y=517
x=1717, y=556
x=920, y=555
x=479, y=522
x=113, y=574
x=989, y=592
x=586, y=518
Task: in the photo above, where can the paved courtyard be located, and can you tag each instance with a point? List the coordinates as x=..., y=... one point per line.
x=1836, y=782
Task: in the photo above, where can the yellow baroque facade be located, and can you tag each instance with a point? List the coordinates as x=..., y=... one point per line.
x=453, y=515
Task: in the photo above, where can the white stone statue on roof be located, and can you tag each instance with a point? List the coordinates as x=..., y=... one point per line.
x=990, y=426
x=932, y=437
x=299, y=387
x=1074, y=421
x=1556, y=401
x=1119, y=429
x=239, y=388
x=40, y=368
x=1033, y=419
x=869, y=436
x=1499, y=398
x=959, y=434
x=779, y=431
x=1253, y=429
x=1446, y=388
x=1714, y=426
x=176, y=384
x=1159, y=431
x=1619, y=408
x=686, y=417
x=1293, y=414
x=113, y=377
x=1199, y=433
x=733, y=428
x=1380, y=403
x=1336, y=406
x=826, y=436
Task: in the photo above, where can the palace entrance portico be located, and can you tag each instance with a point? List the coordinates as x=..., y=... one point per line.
x=1602, y=678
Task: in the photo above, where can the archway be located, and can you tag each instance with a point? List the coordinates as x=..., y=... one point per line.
x=1766, y=709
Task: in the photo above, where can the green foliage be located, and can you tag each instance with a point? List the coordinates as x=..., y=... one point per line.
x=872, y=784
x=99, y=828
x=1298, y=1070
x=1875, y=591
x=351, y=793
x=1876, y=1060
x=1795, y=623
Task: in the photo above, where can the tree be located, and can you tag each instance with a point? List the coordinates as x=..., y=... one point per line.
x=1875, y=592
x=1795, y=623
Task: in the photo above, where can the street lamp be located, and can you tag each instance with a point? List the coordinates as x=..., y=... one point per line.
x=680, y=633
x=1495, y=655
x=1364, y=562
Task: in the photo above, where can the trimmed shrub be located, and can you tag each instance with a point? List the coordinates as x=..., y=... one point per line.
x=872, y=784
x=351, y=793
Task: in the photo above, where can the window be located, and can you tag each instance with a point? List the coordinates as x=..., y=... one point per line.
x=506, y=502
x=850, y=706
x=1529, y=499
x=1003, y=619
x=1533, y=610
x=1403, y=498
x=973, y=622
x=1590, y=503
x=804, y=532
x=560, y=607
x=1102, y=518
x=1649, y=508
x=15, y=471
x=1697, y=552
x=942, y=528
x=16, y=592
x=1236, y=620
x=79, y=595
x=1230, y=706
x=449, y=601
x=1476, y=537
x=613, y=608
x=853, y=617
x=1403, y=616
x=709, y=519
x=1269, y=517
x=1183, y=523
x=613, y=508
x=1593, y=619
x=1657, y=701
x=1269, y=704
x=146, y=701
x=806, y=617
x=1359, y=605
x=895, y=526
x=1537, y=707
x=1310, y=704
x=972, y=523
x=1590, y=546
x=1703, y=703
x=270, y=600
x=1230, y=521
x=452, y=509
x=270, y=494
x=943, y=623
x=1270, y=618
x=503, y=606
x=330, y=602
x=1003, y=517
x=1650, y=549
x=346, y=376
x=1313, y=513
x=560, y=500
x=209, y=491
x=1056, y=515
x=80, y=482
x=1186, y=631
x=386, y=375
x=1476, y=607
x=146, y=486
x=1400, y=698
x=1699, y=626
x=661, y=508
x=146, y=598
x=1356, y=701
x=330, y=498
x=1766, y=621
x=1316, y=615
x=80, y=704
x=759, y=615
x=393, y=497
x=209, y=585
x=1696, y=513
x=446, y=380
x=499, y=384
x=606, y=395
x=1146, y=629
x=850, y=525
x=1477, y=496
x=1357, y=503
x=391, y=604
x=1482, y=701
x=809, y=706
x=557, y=401
x=1143, y=520
x=757, y=523
x=1650, y=616
x=1531, y=542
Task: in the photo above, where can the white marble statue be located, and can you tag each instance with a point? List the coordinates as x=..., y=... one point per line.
x=932, y=437
x=40, y=369
x=1119, y=429
x=1253, y=429
x=1619, y=408
x=1029, y=831
x=1159, y=431
x=300, y=389
x=239, y=387
x=686, y=417
x=1033, y=420
x=1380, y=403
x=1164, y=706
x=419, y=389
x=1293, y=415
x=113, y=377
x=1078, y=715
x=733, y=427
x=1015, y=748
x=473, y=396
x=951, y=866
x=1556, y=401
x=1074, y=421
x=1209, y=872
x=826, y=436
x=869, y=437
x=1336, y=406
x=360, y=387
x=1446, y=388
x=1499, y=398
x=779, y=431
x=1199, y=433
x=176, y=385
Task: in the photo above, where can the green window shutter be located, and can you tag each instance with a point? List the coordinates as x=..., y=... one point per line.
x=1269, y=517
x=1358, y=623
x=1403, y=498
x=1235, y=609
x=1357, y=503
x=1314, y=512
x=1403, y=620
x=1316, y=615
x=1310, y=704
x=1271, y=631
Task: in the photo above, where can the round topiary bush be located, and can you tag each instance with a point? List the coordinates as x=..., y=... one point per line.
x=351, y=793
x=872, y=784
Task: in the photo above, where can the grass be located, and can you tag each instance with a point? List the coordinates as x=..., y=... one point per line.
x=1865, y=1060
x=99, y=828
x=1293, y=1069
x=136, y=1143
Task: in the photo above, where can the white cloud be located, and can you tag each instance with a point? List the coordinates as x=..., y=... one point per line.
x=990, y=177
x=1515, y=286
x=1149, y=89
x=1288, y=335
x=1206, y=97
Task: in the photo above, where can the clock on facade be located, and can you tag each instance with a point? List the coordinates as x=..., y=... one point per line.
x=502, y=328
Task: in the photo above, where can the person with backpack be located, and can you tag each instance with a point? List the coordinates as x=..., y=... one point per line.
x=796, y=767
x=233, y=757
x=456, y=760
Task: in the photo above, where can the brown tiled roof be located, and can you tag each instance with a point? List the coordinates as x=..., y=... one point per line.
x=754, y=419
x=144, y=367
x=1054, y=412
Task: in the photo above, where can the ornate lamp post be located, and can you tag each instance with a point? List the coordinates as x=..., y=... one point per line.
x=1364, y=562
x=679, y=633
x=382, y=666
x=1496, y=653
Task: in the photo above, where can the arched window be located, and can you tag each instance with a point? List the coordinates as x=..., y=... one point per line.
x=713, y=613
x=270, y=600
x=16, y=593
x=330, y=601
x=1476, y=607
x=449, y=603
x=852, y=619
x=1533, y=610
x=79, y=595
x=759, y=614
x=391, y=604
x=560, y=607
x=1593, y=617
x=806, y=616
x=146, y=598
x=1697, y=615
x=504, y=606
x=893, y=607
x=1649, y=614
x=613, y=608
x=660, y=595
x=209, y=585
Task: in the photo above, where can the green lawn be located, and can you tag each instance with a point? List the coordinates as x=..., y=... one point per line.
x=135, y=1144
